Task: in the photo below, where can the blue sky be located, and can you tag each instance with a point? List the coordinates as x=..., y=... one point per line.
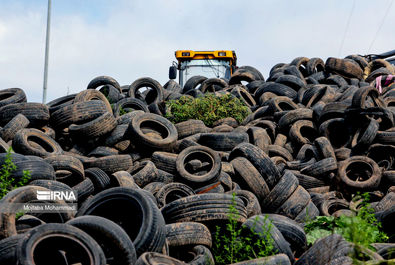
x=131, y=39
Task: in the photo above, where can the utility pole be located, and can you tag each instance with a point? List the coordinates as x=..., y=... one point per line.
x=46, y=53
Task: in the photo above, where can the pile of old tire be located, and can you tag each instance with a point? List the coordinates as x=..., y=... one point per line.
x=153, y=192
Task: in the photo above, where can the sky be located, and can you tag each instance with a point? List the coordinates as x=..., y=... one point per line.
x=129, y=39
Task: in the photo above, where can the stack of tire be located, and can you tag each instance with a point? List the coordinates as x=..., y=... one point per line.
x=153, y=192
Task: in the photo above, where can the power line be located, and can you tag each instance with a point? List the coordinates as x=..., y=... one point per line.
x=347, y=26
x=381, y=25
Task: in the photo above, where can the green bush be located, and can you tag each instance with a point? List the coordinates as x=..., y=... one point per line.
x=208, y=108
x=360, y=229
x=234, y=243
x=7, y=182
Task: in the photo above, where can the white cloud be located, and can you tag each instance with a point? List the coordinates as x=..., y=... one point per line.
x=138, y=38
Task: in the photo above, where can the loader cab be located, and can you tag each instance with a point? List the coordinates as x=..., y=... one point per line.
x=211, y=64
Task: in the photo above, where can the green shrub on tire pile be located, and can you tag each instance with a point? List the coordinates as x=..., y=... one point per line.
x=208, y=108
x=296, y=153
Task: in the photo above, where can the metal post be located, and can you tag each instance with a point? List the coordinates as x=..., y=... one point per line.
x=46, y=53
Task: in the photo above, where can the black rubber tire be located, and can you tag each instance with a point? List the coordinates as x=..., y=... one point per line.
x=359, y=59
x=69, y=238
x=260, y=160
x=26, y=222
x=38, y=169
x=330, y=206
x=213, y=85
x=203, y=154
x=89, y=95
x=295, y=203
x=99, y=178
x=364, y=136
x=154, y=187
x=146, y=228
x=187, y=234
x=337, y=131
x=334, y=246
x=129, y=104
x=253, y=70
x=387, y=218
x=277, y=150
x=103, y=80
x=321, y=169
x=51, y=185
x=123, y=179
x=83, y=190
x=222, y=141
x=291, y=81
x=263, y=227
x=147, y=172
x=315, y=65
x=254, y=85
x=281, y=104
x=171, y=192
x=241, y=92
x=153, y=258
x=70, y=164
x=115, y=243
x=8, y=247
x=43, y=144
x=153, y=96
x=359, y=173
x=385, y=137
x=36, y=113
x=332, y=110
x=248, y=177
x=112, y=93
x=193, y=83
x=291, y=231
x=259, y=137
x=166, y=133
x=303, y=132
x=116, y=136
x=276, y=88
x=387, y=251
x=190, y=127
x=23, y=195
x=98, y=127
x=269, y=126
x=61, y=102
x=77, y=113
x=17, y=123
x=292, y=116
x=12, y=96
x=366, y=96
x=280, y=192
x=110, y=164
x=202, y=208
x=324, y=148
x=307, y=181
x=202, y=256
x=344, y=67
x=250, y=201
x=310, y=212
x=245, y=73
x=173, y=86
x=101, y=151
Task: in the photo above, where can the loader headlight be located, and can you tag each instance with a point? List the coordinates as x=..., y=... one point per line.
x=222, y=54
x=186, y=54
